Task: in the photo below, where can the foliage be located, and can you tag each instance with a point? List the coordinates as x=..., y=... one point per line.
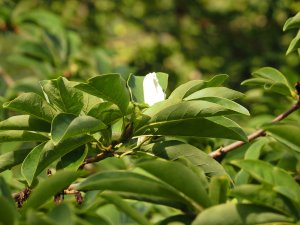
x=94, y=151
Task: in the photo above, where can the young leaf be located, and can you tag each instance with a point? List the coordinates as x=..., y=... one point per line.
x=25, y=122
x=61, y=93
x=31, y=162
x=13, y=158
x=32, y=104
x=292, y=23
x=68, y=125
x=110, y=87
x=48, y=188
x=19, y=135
x=239, y=214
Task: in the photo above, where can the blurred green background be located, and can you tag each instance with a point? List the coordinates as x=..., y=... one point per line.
x=188, y=39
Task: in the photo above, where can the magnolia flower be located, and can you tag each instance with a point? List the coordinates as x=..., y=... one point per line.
x=153, y=92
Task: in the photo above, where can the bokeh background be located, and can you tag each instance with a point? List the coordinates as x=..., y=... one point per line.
x=188, y=39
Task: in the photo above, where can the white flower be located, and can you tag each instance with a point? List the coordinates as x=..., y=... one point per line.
x=153, y=92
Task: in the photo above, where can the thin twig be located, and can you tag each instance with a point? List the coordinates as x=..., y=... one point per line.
x=261, y=132
x=97, y=158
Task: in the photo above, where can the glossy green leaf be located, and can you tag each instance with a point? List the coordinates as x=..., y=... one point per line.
x=49, y=187
x=178, y=176
x=32, y=104
x=13, y=158
x=25, y=122
x=221, y=92
x=126, y=208
x=266, y=173
x=63, y=96
x=265, y=196
x=129, y=182
x=110, y=87
x=68, y=125
x=52, y=152
x=188, y=119
x=19, y=135
x=286, y=133
x=190, y=87
x=173, y=150
x=238, y=214
x=292, y=23
x=135, y=83
x=218, y=189
x=31, y=162
x=294, y=45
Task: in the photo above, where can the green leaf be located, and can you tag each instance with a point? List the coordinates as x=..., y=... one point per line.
x=31, y=162
x=110, y=87
x=221, y=92
x=285, y=133
x=24, y=136
x=271, y=79
x=73, y=159
x=294, y=45
x=36, y=218
x=32, y=104
x=178, y=176
x=68, y=125
x=126, y=208
x=13, y=158
x=252, y=152
x=106, y=112
x=61, y=93
x=238, y=214
x=5, y=192
x=25, y=122
x=218, y=189
x=135, y=84
x=266, y=173
x=61, y=214
x=49, y=187
x=128, y=182
x=265, y=196
x=189, y=119
x=292, y=23
x=173, y=150
x=8, y=213
x=53, y=152
x=190, y=87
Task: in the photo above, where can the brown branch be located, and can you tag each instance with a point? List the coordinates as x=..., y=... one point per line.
x=223, y=150
x=97, y=158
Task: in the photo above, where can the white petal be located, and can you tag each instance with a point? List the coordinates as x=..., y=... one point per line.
x=153, y=92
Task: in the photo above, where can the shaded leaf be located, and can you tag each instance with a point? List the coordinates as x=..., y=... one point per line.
x=8, y=213
x=218, y=189
x=24, y=136
x=13, y=158
x=106, y=112
x=49, y=187
x=25, y=122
